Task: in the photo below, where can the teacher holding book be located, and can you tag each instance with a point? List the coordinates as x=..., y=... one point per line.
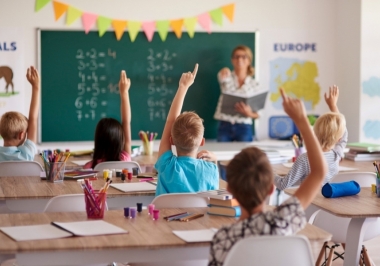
x=238, y=87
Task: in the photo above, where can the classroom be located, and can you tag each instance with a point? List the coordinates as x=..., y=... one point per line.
x=324, y=42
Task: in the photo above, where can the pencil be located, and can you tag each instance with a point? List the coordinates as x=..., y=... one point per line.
x=192, y=217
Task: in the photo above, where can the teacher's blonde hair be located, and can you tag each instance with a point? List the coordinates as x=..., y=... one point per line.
x=248, y=52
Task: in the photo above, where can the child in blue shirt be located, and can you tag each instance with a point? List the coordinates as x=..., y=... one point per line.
x=190, y=171
x=20, y=133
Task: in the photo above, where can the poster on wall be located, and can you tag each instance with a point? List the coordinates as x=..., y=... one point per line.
x=12, y=71
x=301, y=63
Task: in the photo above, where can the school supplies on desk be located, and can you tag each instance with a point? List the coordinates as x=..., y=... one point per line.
x=54, y=163
x=134, y=187
x=95, y=199
x=224, y=203
x=148, y=141
x=361, y=146
x=224, y=211
x=79, y=174
x=335, y=190
x=82, y=153
x=203, y=235
x=222, y=194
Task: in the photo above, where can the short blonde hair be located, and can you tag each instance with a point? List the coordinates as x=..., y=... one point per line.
x=329, y=128
x=11, y=124
x=248, y=52
x=187, y=131
x=250, y=177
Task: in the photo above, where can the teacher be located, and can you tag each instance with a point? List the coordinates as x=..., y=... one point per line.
x=240, y=81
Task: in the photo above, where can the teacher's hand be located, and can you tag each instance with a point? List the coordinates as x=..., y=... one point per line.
x=245, y=110
x=224, y=73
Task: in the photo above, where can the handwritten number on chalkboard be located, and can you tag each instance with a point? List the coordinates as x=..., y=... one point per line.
x=81, y=88
x=166, y=55
x=79, y=115
x=92, y=53
x=80, y=54
x=81, y=65
x=151, y=55
x=93, y=102
x=151, y=67
x=78, y=102
x=95, y=88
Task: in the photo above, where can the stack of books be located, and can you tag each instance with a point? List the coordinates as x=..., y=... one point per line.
x=221, y=203
x=363, y=152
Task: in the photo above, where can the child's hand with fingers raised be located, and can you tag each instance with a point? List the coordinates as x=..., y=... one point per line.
x=33, y=77
x=293, y=107
x=124, y=82
x=187, y=79
x=332, y=98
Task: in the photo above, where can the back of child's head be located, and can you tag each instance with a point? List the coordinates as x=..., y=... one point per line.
x=329, y=128
x=109, y=140
x=250, y=177
x=187, y=132
x=12, y=124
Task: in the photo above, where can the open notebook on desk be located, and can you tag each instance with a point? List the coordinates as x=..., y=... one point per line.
x=134, y=187
x=60, y=230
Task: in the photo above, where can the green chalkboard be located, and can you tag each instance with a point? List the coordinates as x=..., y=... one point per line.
x=80, y=74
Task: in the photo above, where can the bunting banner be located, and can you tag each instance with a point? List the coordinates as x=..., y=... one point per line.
x=204, y=20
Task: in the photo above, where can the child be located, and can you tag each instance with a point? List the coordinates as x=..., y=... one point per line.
x=250, y=181
x=18, y=132
x=184, y=173
x=112, y=139
x=331, y=133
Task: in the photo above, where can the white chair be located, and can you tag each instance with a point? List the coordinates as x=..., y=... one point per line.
x=66, y=203
x=338, y=226
x=117, y=165
x=258, y=250
x=20, y=168
x=180, y=200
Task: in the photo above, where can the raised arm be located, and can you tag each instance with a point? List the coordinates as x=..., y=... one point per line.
x=125, y=108
x=175, y=109
x=34, y=79
x=318, y=168
x=332, y=98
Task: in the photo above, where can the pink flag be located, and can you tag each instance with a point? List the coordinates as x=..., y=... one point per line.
x=205, y=21
x=148, y=28
x=88, y=21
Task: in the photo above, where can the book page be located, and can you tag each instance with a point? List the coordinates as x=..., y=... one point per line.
x=204, y=235
x=90, y=228
x=34, y=232
x=134, y=187
x=80, y=162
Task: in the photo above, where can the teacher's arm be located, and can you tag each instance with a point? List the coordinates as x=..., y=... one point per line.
x=246, y=110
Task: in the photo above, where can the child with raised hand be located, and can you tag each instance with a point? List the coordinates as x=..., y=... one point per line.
x=331, y=133
x=20, y=133
x=250, y=181
x=112, y=139
x=189, y=171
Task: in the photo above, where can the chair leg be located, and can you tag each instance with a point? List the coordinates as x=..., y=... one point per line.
x=321, y=253
x=330, y=258
x=367, y=261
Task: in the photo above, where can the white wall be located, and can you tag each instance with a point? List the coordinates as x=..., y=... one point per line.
x=324, y=20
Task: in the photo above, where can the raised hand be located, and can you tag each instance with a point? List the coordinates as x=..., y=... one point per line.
x=124, y=82
x=293, y=107
x=224, y=73
x=187, y=79
x=332, y=98
x=33, y=77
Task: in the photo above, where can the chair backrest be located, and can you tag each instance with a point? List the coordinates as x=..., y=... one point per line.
x=271, y=250
x=180, y=200
x=20, y=168
x=117, y=165
x=364, y=179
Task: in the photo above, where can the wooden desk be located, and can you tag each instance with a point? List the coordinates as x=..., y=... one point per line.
x=362, y=208
x=147, y=241
x=30, y=194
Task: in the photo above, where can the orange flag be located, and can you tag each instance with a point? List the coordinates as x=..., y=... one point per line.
x=59, y=9
x=229, y=11
x=177, y=27
x=119, y=26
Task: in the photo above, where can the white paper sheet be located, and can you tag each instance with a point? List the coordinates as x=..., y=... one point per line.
x=34, y=232
x=91, y=228
x=80, y=162
x=204, y=235
x=134, y=187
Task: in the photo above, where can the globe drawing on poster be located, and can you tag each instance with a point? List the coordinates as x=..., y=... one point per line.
x=297, y=77
x=371, y=87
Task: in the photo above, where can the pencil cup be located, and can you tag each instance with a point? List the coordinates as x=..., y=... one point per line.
x=56, y=172
x=95, y=204
x=378, y=186
x=299, y=151
x=148, y=147
x=156, y=214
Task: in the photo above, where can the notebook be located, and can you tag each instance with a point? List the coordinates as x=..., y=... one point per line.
x=61, y=230
x=222, y=194
x=79, y=174
x=134, y=187
x=203, y=235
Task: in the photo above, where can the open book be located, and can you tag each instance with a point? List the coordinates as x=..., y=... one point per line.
x=60, y=230
x=255, y=100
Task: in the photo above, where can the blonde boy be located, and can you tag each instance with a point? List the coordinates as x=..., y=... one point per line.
x=190, y=170
x=19, y=133
x=250, y=180
x=331, y=133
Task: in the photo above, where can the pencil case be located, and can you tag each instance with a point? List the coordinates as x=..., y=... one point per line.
x=335, y=190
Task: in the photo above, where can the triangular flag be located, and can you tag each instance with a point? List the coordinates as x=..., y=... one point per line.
x=88, y=21
x=205, y=21
x=229, y=11
x=59, y=9
x=190, y=24
x=162, y=28
x=177, y=27
x=148, y=28
x=119, y=26
x=40, y=4
x=72, y=15
x=103, y=24
x=217, y=16
x=134, y=28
